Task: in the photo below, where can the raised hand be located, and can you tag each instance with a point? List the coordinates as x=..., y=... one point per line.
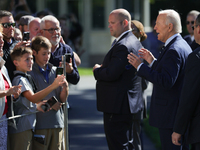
x=146, y=55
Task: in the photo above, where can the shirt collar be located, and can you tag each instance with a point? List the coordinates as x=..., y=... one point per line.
x=42, y=70
x=171, y=38
x=55, y=49
x=122, y=34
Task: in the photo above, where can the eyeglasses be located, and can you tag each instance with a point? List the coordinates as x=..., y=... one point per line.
x=194, y=26
x=8, y=25
x=189, y=22
x=51, y=30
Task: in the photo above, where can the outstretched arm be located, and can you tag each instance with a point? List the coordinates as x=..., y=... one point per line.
x=37, y=97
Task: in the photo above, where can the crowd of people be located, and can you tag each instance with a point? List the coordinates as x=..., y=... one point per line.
x=121, y=80
x=28, y=87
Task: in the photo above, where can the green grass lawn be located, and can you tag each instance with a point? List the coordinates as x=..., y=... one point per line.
x=85, y=71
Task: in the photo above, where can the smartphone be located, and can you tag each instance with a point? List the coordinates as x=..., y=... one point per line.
x=49, y=103
x=52, y=101
x=26, y=36
x=67, y=57
x=59, y=71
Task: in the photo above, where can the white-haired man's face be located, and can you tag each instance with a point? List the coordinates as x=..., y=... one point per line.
x=52, y=31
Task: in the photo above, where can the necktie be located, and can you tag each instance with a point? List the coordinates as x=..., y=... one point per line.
x=113, y=43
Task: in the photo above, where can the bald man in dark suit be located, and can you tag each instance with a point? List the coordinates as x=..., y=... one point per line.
x=118, y=88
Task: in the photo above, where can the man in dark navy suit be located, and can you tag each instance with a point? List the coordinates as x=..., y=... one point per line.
x=166, y=73
x=118, y=88
x=189, y=108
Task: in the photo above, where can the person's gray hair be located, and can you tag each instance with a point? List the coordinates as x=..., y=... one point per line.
x=47, y=18
x=173, y=17
x=194, y=13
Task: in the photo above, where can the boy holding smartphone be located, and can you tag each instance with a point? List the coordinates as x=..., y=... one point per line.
x=48, y=125
x=21, y=137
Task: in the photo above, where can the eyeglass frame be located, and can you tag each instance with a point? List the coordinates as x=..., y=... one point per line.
x=51, y=30
x=194, y=26
x=8, y=25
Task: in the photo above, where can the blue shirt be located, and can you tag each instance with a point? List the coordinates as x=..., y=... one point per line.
x=45, y=72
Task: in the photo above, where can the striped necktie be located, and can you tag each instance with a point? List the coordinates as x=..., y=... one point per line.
x=113, y=43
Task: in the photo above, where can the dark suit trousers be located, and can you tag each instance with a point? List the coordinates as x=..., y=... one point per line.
x=119, y=131
x=166, y=141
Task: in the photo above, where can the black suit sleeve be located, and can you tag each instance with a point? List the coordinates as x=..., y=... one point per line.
x=113, y=65
x=190, y=94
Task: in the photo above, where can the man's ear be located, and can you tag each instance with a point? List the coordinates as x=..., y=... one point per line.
x=125, y=22
x=34, y=52
x=15, y=62
x=198, y=29
x=170, y=26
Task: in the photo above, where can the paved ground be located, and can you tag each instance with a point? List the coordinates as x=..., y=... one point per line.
x=85, y=122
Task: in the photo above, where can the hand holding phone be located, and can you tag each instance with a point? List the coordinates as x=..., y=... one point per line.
x=49, y=103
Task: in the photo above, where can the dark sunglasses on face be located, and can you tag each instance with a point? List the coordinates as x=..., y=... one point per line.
x=189, y=22
x=51, y=30
x=8, y=25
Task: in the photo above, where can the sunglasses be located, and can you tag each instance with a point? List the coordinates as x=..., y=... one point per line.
x=51, y=30
x=194, y=26
x=189, y=22
x=8, y=25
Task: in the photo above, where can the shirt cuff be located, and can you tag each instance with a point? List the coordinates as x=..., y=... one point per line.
x=138, y=68
x=152, y=63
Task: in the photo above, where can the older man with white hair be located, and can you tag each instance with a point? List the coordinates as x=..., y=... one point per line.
x=166, y=73
x=50, y=28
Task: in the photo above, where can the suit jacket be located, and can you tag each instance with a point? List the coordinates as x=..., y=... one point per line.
x=187, y=38
x=118, y=88
x=189, y=108
x=167, y=75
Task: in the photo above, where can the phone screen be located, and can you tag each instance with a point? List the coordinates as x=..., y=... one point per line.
x=26, y=36
x=68, y=56
x=59, y=71
x=52, y=101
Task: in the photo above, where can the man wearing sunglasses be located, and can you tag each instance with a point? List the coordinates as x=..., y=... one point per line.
x=191, y=16
x=8, y=24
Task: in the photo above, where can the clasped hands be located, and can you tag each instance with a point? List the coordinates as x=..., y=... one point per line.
x=143, y=54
